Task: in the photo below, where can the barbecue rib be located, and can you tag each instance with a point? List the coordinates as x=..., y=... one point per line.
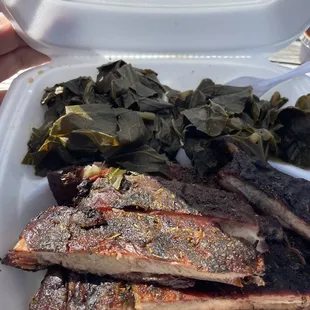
x=288, y=289
x=271, y=191
x=234, y=215
x=113, y=241
x=158, y=194
x=229, y=210
x=63, y=290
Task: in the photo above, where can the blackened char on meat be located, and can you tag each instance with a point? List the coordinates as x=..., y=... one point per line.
x=157, y=242
x=189, y=175
x=271, y=191
x=64, y=185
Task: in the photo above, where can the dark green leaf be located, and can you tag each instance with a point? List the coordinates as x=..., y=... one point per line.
x=153, y=104
x=54, y=155
x=197, y=99
x=180, y=100
x=38, y=136
x=81, y=86
x=247, y=120
x=178, y=125
x=269, y=118
x=74, y=92
x=295, y=136
x=211, y=90
x=255, y=111
x=103, y=86
x=81, y=141
x=207, y=155
x=103, y=99
x=132, y=129
x=143, y=160
x=105, y=69
x=210, y=118
x=166, y=135
x=142, y=91
x=149, y=79
x=263, y=112
x=256, y=142
x=234, y=123
x=234, y=103
x=101, y=117
x=121, y=85
x=106, y=74
x=129, y=92
x=206, y=86
x=204, y=158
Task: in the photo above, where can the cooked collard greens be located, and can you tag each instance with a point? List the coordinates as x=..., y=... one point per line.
x=127, y=118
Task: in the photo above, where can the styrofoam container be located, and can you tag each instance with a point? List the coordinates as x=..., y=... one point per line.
x=22, y=194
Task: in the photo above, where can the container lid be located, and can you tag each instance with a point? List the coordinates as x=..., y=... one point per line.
x=173, y=27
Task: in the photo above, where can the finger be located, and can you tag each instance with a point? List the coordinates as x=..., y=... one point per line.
x=9, y=39
x=2, y=94
x=20, y=59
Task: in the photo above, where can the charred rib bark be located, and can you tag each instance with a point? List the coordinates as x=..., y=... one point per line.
x=271, y=191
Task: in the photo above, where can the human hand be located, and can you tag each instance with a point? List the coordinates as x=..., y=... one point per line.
x=15, y=54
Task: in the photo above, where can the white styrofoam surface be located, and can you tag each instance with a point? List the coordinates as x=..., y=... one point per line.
x=23, y=196
x=210, y=27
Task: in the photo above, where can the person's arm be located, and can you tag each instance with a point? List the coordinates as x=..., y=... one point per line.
x=15, y=54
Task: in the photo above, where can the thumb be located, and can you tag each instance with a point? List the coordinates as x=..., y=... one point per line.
x=2, y=94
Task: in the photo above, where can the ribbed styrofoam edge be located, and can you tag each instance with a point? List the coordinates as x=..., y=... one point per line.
x=162, y=27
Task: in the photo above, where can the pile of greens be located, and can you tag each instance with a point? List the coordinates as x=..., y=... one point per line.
x=129, y=119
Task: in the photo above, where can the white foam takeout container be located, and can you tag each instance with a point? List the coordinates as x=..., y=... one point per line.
x=183, y=40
